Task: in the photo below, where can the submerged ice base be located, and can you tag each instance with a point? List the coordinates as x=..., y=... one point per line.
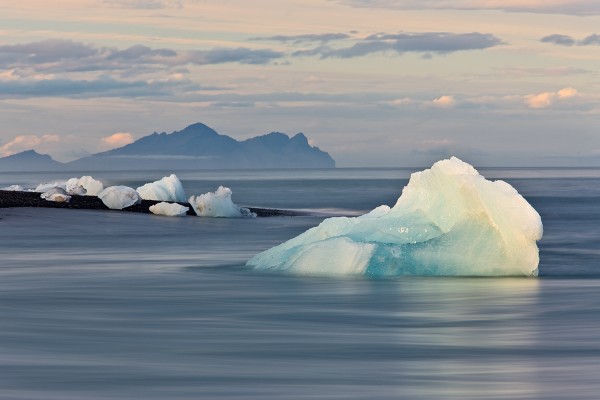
x=449, y=221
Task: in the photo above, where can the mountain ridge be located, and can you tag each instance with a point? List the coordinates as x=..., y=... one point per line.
x=197, y=146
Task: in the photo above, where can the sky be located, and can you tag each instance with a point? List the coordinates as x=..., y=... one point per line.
x=391, y=83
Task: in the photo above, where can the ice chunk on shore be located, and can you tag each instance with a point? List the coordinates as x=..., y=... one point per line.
x=449, y=221
x=14, y=188
x=169, y=209
x=168, y=188
x=119, y=197
x=85, y=186
x=218, y=204
x=57, y=195
x=44, y=187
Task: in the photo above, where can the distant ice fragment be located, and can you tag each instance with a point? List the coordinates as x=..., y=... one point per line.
x=448, y=221
x=119, y=197
x=168, y=188
x=14, y=188
x=218, y=204
x=169, y=209
x=84, y=186
x=57, y=195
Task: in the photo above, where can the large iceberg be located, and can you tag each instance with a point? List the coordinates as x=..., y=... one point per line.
x=119, y=197
x=168, y=188
x=218, y=204
x=85, y=186
x=449, y=221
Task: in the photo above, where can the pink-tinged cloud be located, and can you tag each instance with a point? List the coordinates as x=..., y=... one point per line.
x=26, y=142
x=118, y=139
x=546, y=99
x=445, y=101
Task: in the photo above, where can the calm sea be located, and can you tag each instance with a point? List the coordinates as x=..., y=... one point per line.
x=114, y=305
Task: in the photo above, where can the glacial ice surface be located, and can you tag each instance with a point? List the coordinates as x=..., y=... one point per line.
x=119, y=197
x=449, y=221
x=84, y=186
x=168, y=188
x=169, y=209
x=218, y=204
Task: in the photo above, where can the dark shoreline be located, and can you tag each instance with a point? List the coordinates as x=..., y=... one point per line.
x=9, y=199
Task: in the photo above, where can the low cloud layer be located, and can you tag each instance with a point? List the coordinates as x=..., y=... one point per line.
x=318, y=37
x=568, y=7
x=566, y=40
x=143, y=4
x=428, y=42
x=59, y=56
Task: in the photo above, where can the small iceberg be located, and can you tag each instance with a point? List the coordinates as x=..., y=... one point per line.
x=169, y=209
x=218, y=204
x=57, y=195
x=84, y=186
x=449, y=221
x=44, y=187
x=168, y=188
x=119, y=197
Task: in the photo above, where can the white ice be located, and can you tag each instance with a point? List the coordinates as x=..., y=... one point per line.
x=218, y=204
x=449, y=220
x=85, y=186
x=44, y=187
x=169, y=209
x=14, y=188
x=168, y=188
x=57, y=195
x=119, y=197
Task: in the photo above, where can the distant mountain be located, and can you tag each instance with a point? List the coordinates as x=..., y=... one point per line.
x=30, y=160
x=200, y=147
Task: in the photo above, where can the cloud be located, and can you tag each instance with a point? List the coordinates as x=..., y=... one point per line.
x=565, y=40
x=144, y=4
x=546, y=99
x=561, y=40
x=45, y=51
x=240, y=55
x=593, y=39
x=429, y=42
x=569, y=7
x=103, y=86
x=26, y=142
x=319, y=37
x=545, y=71
x=64, y=56
x=118, y=139
x=445, y=101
